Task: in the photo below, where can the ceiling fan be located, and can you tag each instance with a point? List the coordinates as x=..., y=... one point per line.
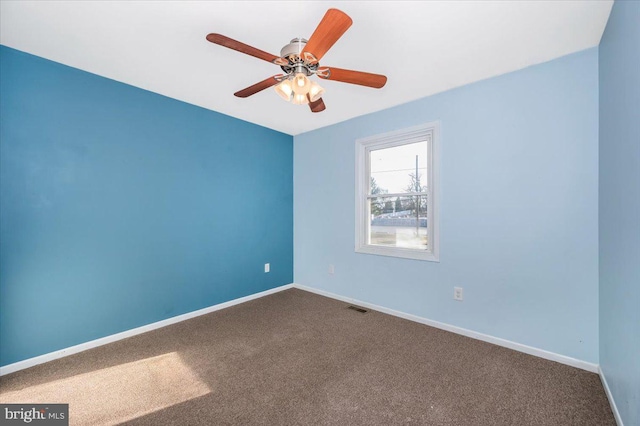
x=300, y=59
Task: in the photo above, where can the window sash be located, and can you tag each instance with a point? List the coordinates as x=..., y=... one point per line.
x=398, y=194
x=369, y=234
x=391, y=142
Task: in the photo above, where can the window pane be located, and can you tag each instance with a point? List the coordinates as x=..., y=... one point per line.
x=399, y=169
x=398, y=222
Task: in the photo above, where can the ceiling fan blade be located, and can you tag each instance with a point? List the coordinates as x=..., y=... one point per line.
x=264, y=84
x=245, y=48
x=329, y=30
x=317, y=106
x=354, y=77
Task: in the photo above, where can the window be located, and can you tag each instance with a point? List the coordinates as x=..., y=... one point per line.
x=397, y=193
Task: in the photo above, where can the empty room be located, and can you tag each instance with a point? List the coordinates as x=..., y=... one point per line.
x=320, y=213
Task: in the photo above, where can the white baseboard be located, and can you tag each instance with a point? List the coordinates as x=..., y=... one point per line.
x=612, y=402
x=21, y=365
x=573, y=362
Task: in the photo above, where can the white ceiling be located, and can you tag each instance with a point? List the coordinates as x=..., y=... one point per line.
x=422, y=47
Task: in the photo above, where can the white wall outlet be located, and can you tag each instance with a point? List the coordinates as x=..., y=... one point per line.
x=332, y=270
x=457, y=293
x=267, y=267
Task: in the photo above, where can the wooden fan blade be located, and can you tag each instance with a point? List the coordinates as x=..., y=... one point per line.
x=244, y=48
x=354, y=77
x=264, y=84
x=329, y=30
x=317, y=106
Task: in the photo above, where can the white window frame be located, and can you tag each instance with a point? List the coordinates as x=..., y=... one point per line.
x=429, y=132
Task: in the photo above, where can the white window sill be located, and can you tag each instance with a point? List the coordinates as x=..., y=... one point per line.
x=399, y=252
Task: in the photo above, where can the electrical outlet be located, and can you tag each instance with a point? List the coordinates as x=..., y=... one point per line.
x=332, y=270
x=267, y=267
x=457, y=293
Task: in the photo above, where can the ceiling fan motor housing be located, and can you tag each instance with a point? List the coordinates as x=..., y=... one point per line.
x=293, y=48
x=291, y=52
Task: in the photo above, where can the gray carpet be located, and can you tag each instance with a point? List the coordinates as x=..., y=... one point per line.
x=298, y=358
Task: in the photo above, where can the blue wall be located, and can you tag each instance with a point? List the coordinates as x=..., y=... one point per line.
x=518, y=214
x=120, y=207
x=620, y=208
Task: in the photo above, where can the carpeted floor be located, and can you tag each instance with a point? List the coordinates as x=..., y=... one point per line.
x=298, y=358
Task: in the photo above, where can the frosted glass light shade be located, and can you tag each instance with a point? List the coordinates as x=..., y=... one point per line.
x=301, y=84
x=315, y=91
x=284, y=90
x=300, y=99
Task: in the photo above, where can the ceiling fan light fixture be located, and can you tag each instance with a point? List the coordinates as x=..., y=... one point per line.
x=315, y=91
x=284, y=90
